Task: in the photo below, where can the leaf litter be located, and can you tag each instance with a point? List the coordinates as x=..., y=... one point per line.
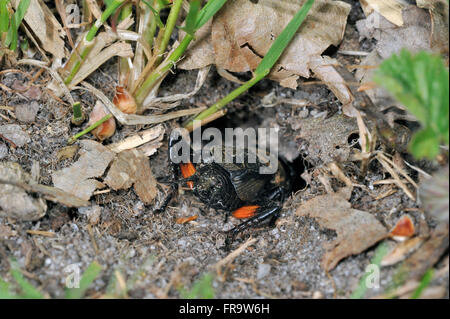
x=356, y=230
x=124, y=165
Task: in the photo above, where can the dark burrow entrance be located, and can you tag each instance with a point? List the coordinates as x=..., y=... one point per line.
x=253, y=120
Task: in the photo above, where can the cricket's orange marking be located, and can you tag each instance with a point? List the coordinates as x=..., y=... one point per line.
x=187, y=170
x=245, y=211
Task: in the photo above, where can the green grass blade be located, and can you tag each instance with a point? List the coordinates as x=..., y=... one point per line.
x=155, y=14
x=90, y=274
x=282, y=41
x=265, y=65
x=4, y=16
x=208, y=11
x=13, y=36
x=21, y=11
x=191, y=19
x=426, y=279
x=28, y=291
x=380, y=252
x=4, y=290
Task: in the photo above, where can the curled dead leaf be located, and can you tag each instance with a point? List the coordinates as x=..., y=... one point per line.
x=184, y=220
x=356, y=230
x=124, y=101
x=107, y=128
x=131, y=167
x=403, y=229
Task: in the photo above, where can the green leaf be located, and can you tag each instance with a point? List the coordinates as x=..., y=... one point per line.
x=90, y=274
x=21, y=11
x=424, y=144
x=421, y=83
x=282, y=41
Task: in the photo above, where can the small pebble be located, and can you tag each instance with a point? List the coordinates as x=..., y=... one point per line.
x=15, y=134
x=263, y=270
x=27, y=112
x=3, y=150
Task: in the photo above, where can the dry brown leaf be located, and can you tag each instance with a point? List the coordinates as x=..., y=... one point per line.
x=415, y=34
x=14, y=201
x=428, y=254
x=401, y=251
x=45, y=27
x=13, y=133
x=422, y=30
x=184, y=220
x=439, y=11
x=243, y=32
x=131, y=167
x=390, y=9
x=78, y=179
x=356, y=230
x=200, y=52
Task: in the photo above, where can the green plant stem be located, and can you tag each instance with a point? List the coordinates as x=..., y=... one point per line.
x=78, y=116
x=170, y=25
x=77, y=110
x=227, y=99
x=124, y=67
x=162, y=69
x=90, y=128
x=206, y=13
x=87, y=43
x=149, y=32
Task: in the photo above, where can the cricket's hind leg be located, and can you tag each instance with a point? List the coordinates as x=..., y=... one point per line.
x=259, y=216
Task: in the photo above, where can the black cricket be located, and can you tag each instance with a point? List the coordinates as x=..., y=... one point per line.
x=228, y=187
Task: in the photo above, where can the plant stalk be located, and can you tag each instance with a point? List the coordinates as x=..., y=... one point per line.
x=170, y=25
x=162, y=69
x=227, y=99
x=87, y=43
x=90, y=128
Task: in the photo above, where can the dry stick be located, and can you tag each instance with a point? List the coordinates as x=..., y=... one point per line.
x=228, y=259
x=210, y=118
x=396, y=177
x=133, y=119
x=41, y=233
